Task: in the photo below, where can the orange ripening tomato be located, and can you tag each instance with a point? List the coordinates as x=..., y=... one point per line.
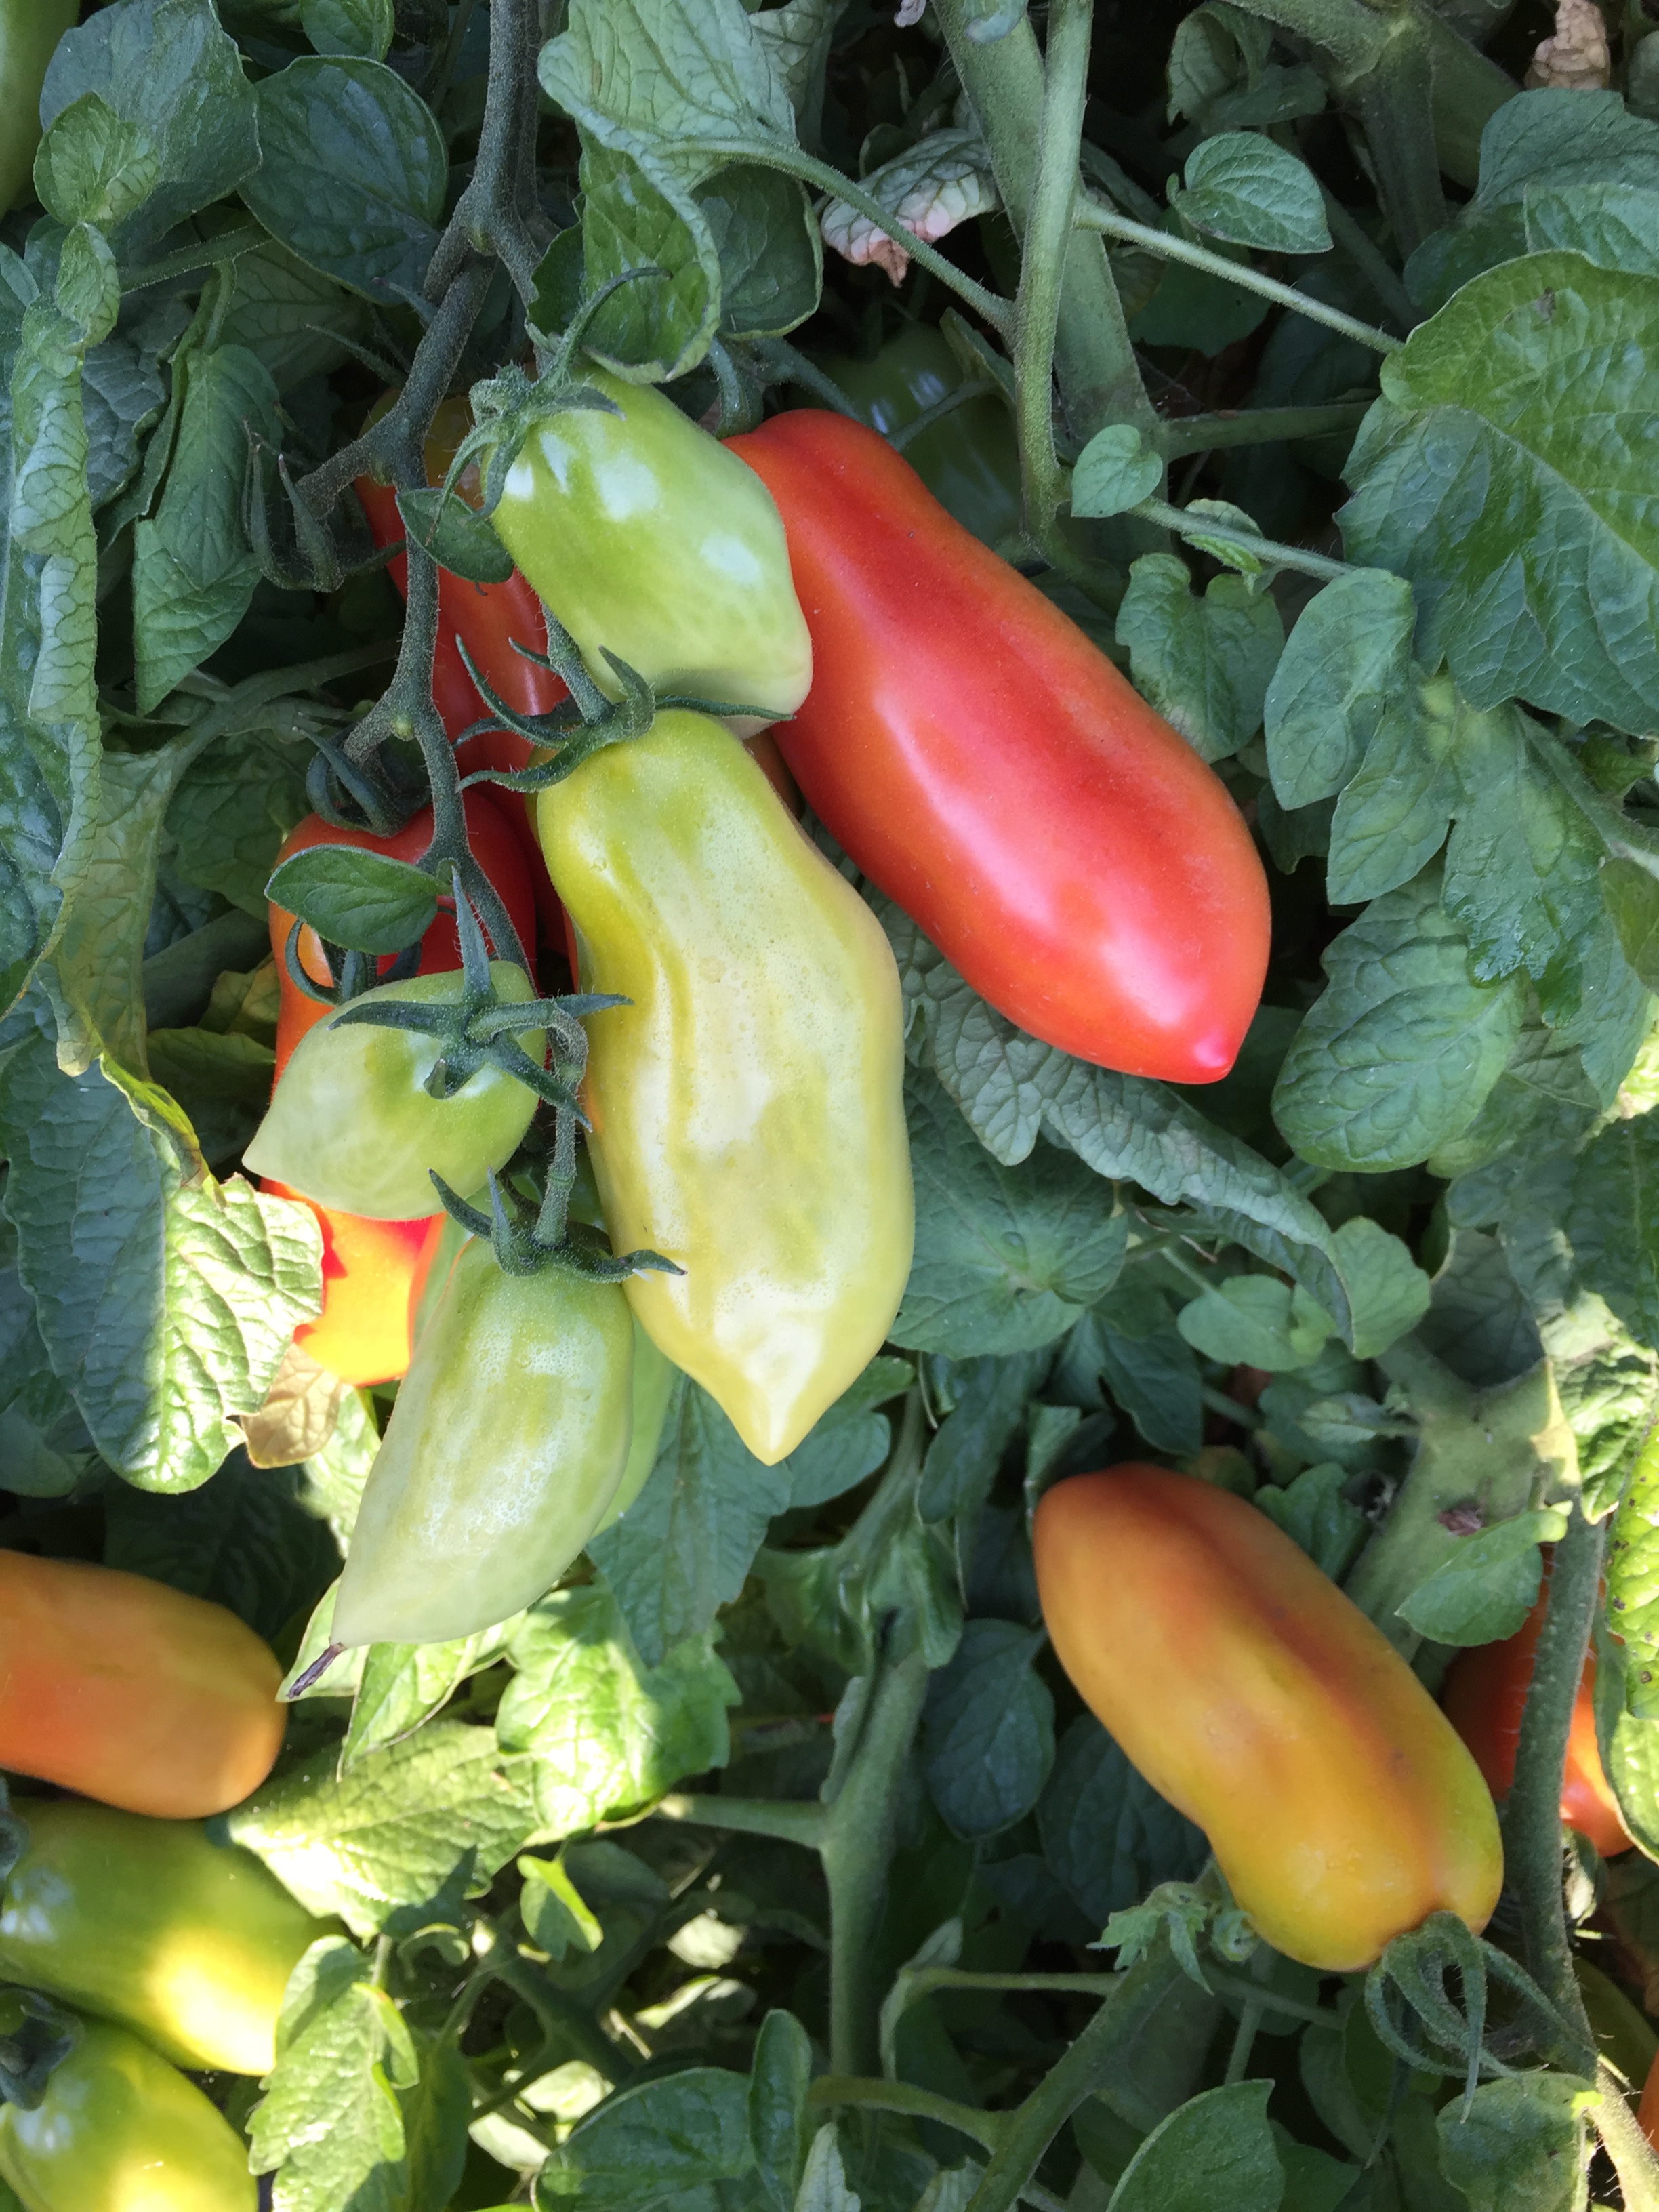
x=1262, y=1703
x=984, y=763
x=374, y=1272
x=131, y=1692
x=1485, y=1695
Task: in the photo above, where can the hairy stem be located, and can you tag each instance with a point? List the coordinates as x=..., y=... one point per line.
x=1532, y=1814
x=1634, y=2159
x=1095, y=214
x=1029, y=2130
x=1094, y=360
x=1042, y=263
x=857, y=1852
x=1268, y=550
x=748, y=1816
x=1259, y=426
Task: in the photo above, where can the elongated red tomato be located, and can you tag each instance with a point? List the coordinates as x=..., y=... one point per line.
x=1262, y=1703
x=132, y=1692
x=990, y=768
x=374, y=1272
x=1485, y=1696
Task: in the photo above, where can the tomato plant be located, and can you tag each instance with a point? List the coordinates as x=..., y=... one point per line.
x=615, y=1675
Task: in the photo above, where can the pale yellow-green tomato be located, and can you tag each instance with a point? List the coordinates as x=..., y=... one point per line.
x=748, y=1105
x=644, y=535
x=654, y=1378
x=501, y=1459
x=352, y=1124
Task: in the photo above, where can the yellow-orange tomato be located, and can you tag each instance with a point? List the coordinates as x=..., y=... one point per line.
x=1337, y=1799
x=131, y=1692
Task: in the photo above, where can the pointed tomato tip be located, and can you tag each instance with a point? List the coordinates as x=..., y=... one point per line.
x=1209, y=1058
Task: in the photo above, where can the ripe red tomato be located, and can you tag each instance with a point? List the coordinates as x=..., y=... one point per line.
x=1484, y=1697
x=990, y=768
x=374, y=1272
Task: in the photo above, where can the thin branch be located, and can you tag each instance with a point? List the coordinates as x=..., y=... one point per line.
x=1093, y=215
x=773, y=153
x=1532, y=1814
x=1259, y=426
x=1269, y=550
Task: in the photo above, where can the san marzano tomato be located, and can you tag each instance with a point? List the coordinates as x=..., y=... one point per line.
x=988, y=767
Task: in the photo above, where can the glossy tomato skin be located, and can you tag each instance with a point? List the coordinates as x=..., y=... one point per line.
x=1249, y=1690
x=120, y=2130
x=1485, y=1695
x=148, y=1922
x=654, y=1378
x=352, y=1124
x=502, y=1455
x=131, y=1692
x=375, y=1272
x=748, y=1104
x=988, y=767
x=646, y=537
x=29, y=31
x=970, y=458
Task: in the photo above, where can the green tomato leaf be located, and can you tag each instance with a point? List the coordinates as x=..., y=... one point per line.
x=1499, y=475
x=553, y=1912
x=1114, y=471
x=778, y=2082
x=1485, y=1591
x=365, y=901
x=358, y=124
x=1344, y=664
x=456, y=536
x=1204, y=663
x=95, y=167
x=990, y=1398
x=1107, y=1834
x=770, y=248
x=1521, y=2146
x=988, y=1738
x=329, y=2121
x=1255, y=192
x=654, y=2145
x=1615, y=226
x=298, y=321
x=396, y=1828
x=682, y=1549
x=1005, y=1258
x=1401, y=1052
x=1313, y=1512
x=635, y=70
x=177, y=129
x=1215, y=2149
x=1394, y=813
x=1389, y=1291
x=638, y=214
x=166, y=1299
x=1569, y=140
x=1191, y=308
x=1631, y=893
x=363, y=27
x=245, y=1541
x=601, y=1731
x=193, y=573
x=1258, y=1321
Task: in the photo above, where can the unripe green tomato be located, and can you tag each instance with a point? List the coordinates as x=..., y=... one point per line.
x=644, y=535
x=502, y=1454
x=654, y=1378
x=120, y=2130
x=970, y=458
x=151, y=1923
x=29, y=31
x=747, y=1103
x=352, y=1124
